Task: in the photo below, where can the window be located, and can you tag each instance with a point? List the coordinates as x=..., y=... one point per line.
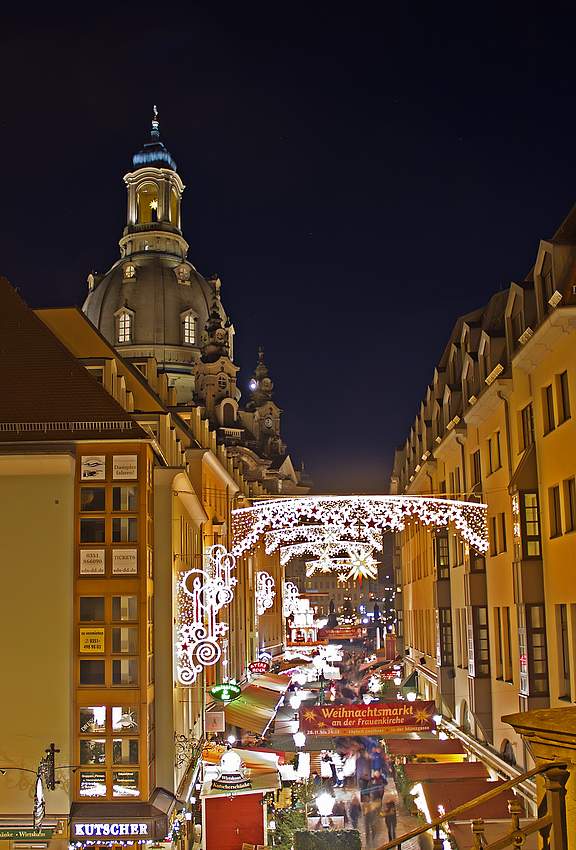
x=188, y=328
x=92, y=751
x=478, y=645
x=92, y=530
x=570, y=504
x=445, y=635
x=530, y=525
x=125, y=639
x=125, y=783
x=125, y=751
x=494, y=452
x=565, y=652
x=499, y=643
x=92, y=609
x=93, y=719
x=222, y=382
x=125, y=498
x=501, y=532
x=124, y=326
x=125, y=530
x=527, y=415
x=533, y=652
x=124, y=607
x=93, y=784
x=554, y=505
x=563, y=398
x=124, y=671
x=476, y=468
x=92, y=498
x=92, y=671
x=548, y=409
x=125, y=719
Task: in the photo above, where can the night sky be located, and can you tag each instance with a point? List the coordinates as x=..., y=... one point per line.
x=359, y=175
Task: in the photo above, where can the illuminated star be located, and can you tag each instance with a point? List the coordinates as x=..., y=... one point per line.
x=421, y=716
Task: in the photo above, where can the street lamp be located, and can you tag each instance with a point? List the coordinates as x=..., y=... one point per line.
x=299, y=739
x=325, y=804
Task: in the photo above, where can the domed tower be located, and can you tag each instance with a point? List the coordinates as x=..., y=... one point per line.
x=153, y=302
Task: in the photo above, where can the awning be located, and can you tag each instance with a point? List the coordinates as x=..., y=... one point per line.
x=254, y=709
x=261, y=768
x=450, y=750
x=273, y=682
x=438, y=772
x=451, y=795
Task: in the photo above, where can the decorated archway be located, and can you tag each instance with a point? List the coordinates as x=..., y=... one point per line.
x=340, y=533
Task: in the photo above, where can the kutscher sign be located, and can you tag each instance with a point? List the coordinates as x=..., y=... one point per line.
x=375, y=719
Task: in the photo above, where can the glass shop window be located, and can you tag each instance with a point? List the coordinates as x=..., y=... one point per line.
x=125, y=783
x=125, y=751
x=93, y=719
x=93, y=784
x=124, y=718
x=92, y=751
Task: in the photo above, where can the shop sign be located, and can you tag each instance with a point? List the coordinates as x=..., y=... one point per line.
x=25, y=832
x=92, y=562
x=125, y=466
x=258, y=667
x=124, y=562
x=374, y=719
x=91, y=640
x=214, y=721
x=100, y=829
x=225, y=692
x=342, y=633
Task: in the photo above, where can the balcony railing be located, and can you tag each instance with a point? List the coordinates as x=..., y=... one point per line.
x=551, y=824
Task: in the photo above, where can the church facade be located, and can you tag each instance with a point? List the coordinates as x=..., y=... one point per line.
x=119, y=472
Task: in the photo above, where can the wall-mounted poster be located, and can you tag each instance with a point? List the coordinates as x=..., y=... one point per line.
x=93, y=468
x=91, y=640
x=125, y=467
x=124, y=562
x=92, y=562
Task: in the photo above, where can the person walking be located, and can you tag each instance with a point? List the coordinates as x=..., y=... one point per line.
x=371, y=812
x=355, y=811
x=389, y=812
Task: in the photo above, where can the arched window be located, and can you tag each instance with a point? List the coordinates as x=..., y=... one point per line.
x=188, y=327
x=174, y=212
x=124, y=325
x=228, y=417
x=147, y=199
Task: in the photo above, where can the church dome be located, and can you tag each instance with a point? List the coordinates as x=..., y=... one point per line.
x=153, y=302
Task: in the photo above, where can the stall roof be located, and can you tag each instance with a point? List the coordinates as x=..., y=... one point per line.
x=273, y=682
x=254, y=709
x=456, y=793
x=432, y=772
x=427, y=747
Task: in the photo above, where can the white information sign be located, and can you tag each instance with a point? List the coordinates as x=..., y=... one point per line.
x=92, y=562
x=125, y=467
x=93, y=468
x=124, y=562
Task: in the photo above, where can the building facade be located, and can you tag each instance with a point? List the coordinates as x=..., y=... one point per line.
x=120, y=466
x=495, y=635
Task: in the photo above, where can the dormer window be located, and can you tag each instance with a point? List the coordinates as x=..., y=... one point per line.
x=189, y=327
x=222, y=382
x=129, y=271
x=124, y=325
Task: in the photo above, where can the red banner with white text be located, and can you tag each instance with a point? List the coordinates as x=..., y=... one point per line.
x=387, y=718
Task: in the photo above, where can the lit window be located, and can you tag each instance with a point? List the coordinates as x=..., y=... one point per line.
x=124, y=323
x=188, y=328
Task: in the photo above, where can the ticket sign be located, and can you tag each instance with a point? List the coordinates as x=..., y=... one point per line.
x=225, y=692
x=124, y=562
x=374, y=719
x=91, y=640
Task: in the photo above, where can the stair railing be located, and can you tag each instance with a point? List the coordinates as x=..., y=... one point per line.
x=551, y=824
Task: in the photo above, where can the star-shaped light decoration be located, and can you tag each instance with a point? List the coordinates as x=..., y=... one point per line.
x=362, y=565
